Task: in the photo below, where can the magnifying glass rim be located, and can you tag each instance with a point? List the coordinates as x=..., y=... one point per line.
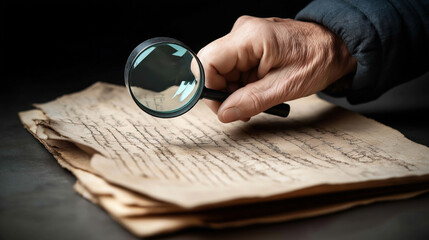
x=144, y=46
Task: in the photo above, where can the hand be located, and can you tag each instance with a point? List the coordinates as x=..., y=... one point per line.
x=265, y=62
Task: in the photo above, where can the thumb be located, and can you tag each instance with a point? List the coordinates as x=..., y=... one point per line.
x=248, y=101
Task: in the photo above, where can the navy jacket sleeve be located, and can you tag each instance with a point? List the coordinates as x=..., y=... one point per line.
x=388, y=38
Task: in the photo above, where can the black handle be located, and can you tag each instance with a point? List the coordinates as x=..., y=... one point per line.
x=281, y=110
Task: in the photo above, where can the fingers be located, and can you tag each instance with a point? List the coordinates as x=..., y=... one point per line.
x=255, y=65
x=220, y=55
x=219, y=60
x=227, y=57
x=268, y=61
x=195, y=69
x=276, y=87
x=248, y=101
x=231, y=61
x=244, y=56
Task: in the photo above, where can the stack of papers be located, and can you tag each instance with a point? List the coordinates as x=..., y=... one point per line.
x=160, y=175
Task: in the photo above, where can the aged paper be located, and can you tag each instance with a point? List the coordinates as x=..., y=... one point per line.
x=146, y=216
x=140, y=215
x=77, y=161
x=195, y=160
x=163, y=101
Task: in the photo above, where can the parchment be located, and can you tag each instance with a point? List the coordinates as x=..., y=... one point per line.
x=77, y=161
x=145, y=217
x=167, y=100
x=293, y=158
x=195, y=160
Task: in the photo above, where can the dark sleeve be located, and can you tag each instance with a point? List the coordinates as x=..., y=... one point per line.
x=388, y=38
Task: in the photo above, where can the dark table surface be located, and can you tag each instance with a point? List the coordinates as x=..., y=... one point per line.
x=37, y=200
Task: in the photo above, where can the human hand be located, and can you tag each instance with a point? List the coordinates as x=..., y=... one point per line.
x=265, y=62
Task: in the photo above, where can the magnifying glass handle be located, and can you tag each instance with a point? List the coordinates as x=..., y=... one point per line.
x=281, y=110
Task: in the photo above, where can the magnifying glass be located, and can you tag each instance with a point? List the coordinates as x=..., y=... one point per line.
x=166, y=79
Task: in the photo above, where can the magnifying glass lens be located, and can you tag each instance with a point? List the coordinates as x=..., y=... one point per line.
x=164, y=79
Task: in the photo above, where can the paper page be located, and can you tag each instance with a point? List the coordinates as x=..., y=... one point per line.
x=194, y=160
x=149, y=225
x=77, y=161
x=132, y=210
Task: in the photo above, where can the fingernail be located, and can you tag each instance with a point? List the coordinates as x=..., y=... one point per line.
x=231, y=114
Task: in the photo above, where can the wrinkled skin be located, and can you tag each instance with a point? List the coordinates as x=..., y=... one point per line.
x=268, y=61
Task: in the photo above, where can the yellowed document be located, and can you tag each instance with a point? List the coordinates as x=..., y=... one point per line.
x=194, y=160
x=145, y=217
x=157, y=175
